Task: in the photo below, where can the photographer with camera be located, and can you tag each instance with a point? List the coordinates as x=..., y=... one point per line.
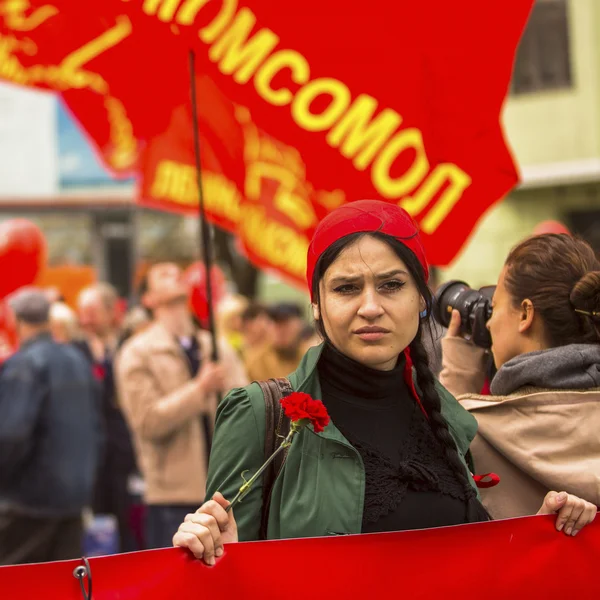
x=539, y=428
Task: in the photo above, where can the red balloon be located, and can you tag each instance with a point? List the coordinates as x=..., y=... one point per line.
x=550, y=227
x=195, y=277
x=9, y=342
x=22, y=254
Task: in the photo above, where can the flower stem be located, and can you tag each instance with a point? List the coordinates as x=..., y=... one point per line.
x=287, y=442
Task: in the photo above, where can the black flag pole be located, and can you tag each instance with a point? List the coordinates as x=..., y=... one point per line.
x=205, y=229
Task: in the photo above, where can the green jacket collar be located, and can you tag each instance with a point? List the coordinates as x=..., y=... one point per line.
x=462, y=424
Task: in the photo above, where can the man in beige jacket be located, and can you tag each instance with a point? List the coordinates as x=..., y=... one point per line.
x=168, y=389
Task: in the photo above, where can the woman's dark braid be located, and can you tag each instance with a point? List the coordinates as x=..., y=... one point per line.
x=439, y=426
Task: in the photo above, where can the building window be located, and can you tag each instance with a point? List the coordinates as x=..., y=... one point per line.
x=543, y=59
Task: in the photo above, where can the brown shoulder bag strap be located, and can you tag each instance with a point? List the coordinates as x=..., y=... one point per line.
x=277, y=426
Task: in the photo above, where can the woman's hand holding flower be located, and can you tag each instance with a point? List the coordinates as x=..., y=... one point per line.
x=206, y=531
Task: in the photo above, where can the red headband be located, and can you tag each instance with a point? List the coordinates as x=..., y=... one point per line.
x=364, y=216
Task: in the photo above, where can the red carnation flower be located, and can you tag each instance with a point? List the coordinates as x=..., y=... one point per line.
x=298, y=406
x=301, y=409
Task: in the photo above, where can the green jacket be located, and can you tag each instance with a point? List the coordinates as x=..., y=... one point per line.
x=321, y=488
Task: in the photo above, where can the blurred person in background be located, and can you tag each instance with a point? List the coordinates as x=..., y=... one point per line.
x=50, y=438
x=54, y=294
x=229, y=320
x=257, y=332
x=539, y=428
x=64, y=325
x=136, y=320
x=99, y=319
x=283, y=353
x=168, y=387
x=310, y=337
x=97, y=306
x=257, y=326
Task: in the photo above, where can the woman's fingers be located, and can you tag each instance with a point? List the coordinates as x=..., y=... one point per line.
x=226, y=520
x=204, y=535
x=573, y=513
x=454, y=325
x=205, y=531
x=217, y=511
x=208, y=521
x=190, y=541
x=570, y=513
x=587, y=516
x=220, y=499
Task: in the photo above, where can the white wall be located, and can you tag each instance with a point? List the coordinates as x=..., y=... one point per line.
x=28, y=143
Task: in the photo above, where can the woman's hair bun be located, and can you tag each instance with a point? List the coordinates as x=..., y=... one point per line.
x=585, y=295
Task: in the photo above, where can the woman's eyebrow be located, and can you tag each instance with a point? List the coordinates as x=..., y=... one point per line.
x=392, y=273
x=340, y=279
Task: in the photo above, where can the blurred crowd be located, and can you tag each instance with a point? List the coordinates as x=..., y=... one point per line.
x=105, y=412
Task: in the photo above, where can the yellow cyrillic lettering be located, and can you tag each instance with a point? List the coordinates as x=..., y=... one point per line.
x=163, y=177
x=189, y=11
x=360, y=135
x=176, y=182
x=166, y=8
x=458, y=181
x=276, y=62
x=186, y=11
x=235, y=51
x=395, y=187
x=340, y=99
x=210, y=33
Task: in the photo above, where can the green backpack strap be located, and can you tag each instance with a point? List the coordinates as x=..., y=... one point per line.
x=277, y=426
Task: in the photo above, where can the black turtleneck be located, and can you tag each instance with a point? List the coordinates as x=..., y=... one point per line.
x=409, y=484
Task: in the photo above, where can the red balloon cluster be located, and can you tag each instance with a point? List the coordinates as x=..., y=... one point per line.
x=195, y=278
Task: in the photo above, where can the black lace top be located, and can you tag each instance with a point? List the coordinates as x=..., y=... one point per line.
x=409, y=484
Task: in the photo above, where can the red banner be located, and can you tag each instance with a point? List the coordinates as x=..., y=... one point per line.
x=518, y=558
x=304, y=105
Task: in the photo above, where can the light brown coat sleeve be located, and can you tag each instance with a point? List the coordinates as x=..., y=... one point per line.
x=463, y=366
x=149, y=413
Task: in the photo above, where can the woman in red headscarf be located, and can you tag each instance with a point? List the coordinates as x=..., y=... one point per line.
x=393, y=456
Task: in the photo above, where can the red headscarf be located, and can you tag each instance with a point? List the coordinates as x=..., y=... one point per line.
x=364, y=216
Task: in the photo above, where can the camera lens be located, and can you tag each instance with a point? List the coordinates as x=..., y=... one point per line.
x=474, y=308
x=446, y=300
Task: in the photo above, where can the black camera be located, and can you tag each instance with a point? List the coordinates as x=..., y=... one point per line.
x=474, y=306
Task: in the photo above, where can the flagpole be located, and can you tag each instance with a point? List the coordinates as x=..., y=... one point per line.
x=204, y=229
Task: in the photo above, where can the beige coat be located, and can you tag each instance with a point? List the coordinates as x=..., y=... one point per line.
x=536, y=440
x=264, y=363
x=163, y=408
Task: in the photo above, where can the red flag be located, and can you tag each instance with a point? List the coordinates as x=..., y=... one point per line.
x=304, y=106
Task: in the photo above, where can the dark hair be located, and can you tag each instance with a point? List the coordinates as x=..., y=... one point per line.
x=425, y=379
x=560, y=274
x=253, y=311
x=284, y=311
